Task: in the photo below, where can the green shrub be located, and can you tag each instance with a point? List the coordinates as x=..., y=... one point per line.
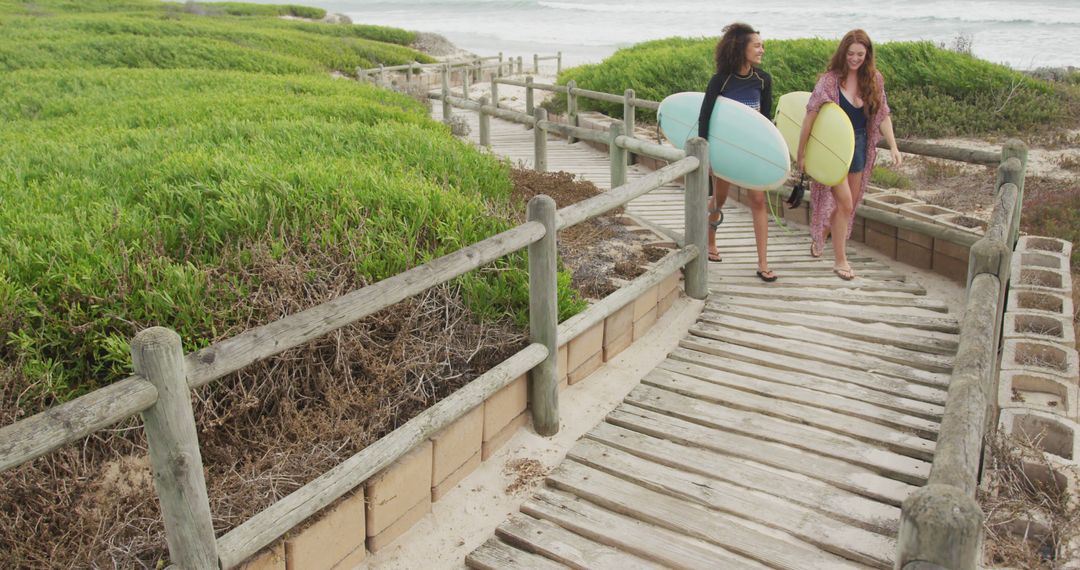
x=146, y=151
x=887, y=178
x=932, y=92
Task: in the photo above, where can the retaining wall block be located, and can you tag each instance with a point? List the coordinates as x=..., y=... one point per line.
x=1035, y=325
x=505, y=405
x=1042, y=302
x=399, y=527
x=1038, y=391
x=962, y=223
x=881, y=237
x=1045, y=245
x=914, y=248
x=453, y=448
x=1039, y=356
x=949, y=266
x=1042, y=279
x=858, y=228
x=561, y=359
x=888, y=201
x=951, y=249
x=335, y=539
x=584, y=347
x=925, y=212
x=643, y=324
x=394, y=491
x=1056, y=436
x=666, y=302
x=492, y=444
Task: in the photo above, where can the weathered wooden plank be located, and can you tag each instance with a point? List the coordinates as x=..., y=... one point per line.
x=942, y=324
x=829, y=283
x=748, y=371
x=724, y=530
x=565, y=547
x=844, y=475
x=873, y=433
x=46, y=431
x=277, y=519
x=828, y=534
x=766, y=428
x=656, y=543
x=818, y=353
x=912, y=339
x=497, y=555
x=720, y=326
x=732, y=292
x=781, y=392
x=838, y=504
x=765, y=358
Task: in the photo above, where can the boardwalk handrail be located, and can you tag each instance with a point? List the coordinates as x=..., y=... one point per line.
x=941, y=523
x=161, y=387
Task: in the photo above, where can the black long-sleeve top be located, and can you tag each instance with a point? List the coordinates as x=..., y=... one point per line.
x=753, y=90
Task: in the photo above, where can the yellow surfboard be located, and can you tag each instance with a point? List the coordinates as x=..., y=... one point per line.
x=832, y=139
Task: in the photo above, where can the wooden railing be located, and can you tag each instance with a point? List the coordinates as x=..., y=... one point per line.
x=160, y=388
x=941, y=523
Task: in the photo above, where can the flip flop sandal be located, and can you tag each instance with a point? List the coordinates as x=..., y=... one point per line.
x=715, y=257
x=814, y=252
x=844, y=273
x=767, y=276
x=717, y=223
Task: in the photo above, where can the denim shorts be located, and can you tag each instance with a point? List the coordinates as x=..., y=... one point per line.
x=858, y=160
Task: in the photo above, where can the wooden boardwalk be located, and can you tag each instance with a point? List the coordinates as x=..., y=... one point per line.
x=783, y=432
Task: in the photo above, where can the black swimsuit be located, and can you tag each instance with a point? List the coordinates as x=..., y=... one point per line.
x=858, y=122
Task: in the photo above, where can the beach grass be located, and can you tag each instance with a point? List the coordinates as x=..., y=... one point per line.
x=146, y=151
x=932, y=92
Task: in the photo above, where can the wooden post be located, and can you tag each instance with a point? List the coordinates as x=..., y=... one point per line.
x=544, y=318
x=695, y=218
x=940, y=525
x=536, y=63
x=571, y=108
x=499, y=70
x=628, y=121
x=485, y=123
x=495, y=92
x=465, y=71
x=618, y=157
x=1014, y=148
x=540, y=142
x=558, y=63
x=446, y=109
x=529, y=110
x=174, y=450
x=520, y=66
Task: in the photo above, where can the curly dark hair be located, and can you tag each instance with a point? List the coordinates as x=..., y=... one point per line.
x=731, y=49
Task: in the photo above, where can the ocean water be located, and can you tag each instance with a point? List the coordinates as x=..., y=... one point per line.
x=1023, y=34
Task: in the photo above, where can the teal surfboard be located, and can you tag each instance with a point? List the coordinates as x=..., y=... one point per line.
x=745, y=148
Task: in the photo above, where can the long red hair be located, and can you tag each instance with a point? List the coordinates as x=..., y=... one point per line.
x=867, y=73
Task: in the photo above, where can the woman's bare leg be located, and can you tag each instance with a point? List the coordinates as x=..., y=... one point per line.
x=719, y=197
x=840, y=217
x=761, y=229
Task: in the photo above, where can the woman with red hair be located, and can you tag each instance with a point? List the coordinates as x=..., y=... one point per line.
x=854, y=83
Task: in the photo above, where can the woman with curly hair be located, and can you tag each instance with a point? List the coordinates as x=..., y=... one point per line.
x=854, y=83
x=738, y=77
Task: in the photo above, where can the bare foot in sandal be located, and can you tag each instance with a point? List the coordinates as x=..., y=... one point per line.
x=844, y=272
x=815, y=250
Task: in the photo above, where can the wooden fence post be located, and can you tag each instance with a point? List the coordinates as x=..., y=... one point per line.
x=520, y=66
x=558, y=63
x=495, y=92
x=529, y=109
x=696, y=218
x=485, y=123
x=540, y=141
x=499, y=70
x=571, y=108
x=618, y=157
x=536, y=63
x=544, y=317
x=1014, y=148
x=465, y=72
x=446, y=110
x=174, y=450
x=628, y=121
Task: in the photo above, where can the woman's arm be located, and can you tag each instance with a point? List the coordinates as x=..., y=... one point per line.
x=887, y=132
x=712, y=92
